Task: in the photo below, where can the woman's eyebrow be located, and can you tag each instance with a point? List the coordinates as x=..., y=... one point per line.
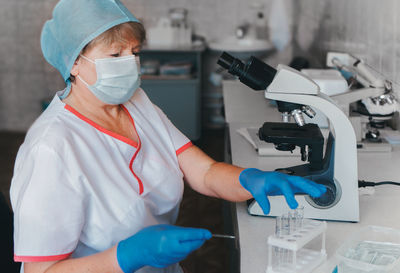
x=120, y=47
x=115, y=46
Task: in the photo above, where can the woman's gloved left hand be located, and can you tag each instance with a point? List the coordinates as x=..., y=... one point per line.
x=261, y=184
x=159, y=246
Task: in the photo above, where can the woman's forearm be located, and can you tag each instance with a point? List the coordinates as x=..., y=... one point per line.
x=212, y=178
x=105, y=261
x=223, y=180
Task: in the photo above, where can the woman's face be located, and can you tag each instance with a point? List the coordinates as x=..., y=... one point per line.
x=87, y=70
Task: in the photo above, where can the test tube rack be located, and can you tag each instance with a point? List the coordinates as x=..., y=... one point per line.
x=302, y=260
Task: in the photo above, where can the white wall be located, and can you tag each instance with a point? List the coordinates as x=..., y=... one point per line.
x=368, y=28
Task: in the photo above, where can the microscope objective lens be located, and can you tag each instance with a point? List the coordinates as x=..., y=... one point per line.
x=298, y=117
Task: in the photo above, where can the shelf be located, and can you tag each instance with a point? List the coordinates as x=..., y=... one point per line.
x=147, y=49
x=167, y=77
x=157, y=80
x=177, y=95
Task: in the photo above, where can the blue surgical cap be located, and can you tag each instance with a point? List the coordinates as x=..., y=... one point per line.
x=74, y=24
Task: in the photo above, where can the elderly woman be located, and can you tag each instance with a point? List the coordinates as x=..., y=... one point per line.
x=99, y=178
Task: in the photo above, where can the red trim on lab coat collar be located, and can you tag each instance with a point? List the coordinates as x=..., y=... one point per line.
x=137, y=150
x=102, y=129
x=117, y=136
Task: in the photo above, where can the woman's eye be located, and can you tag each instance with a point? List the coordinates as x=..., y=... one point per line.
x=115, y=55
x=136, y=54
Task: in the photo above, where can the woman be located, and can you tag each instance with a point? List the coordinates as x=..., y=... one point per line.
x=99, y=178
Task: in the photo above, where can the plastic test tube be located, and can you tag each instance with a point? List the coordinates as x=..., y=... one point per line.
x=278, y=226
x=278, y=252
x=292, y=221
x=299, y=214
x=286, y=231
x=285, y=224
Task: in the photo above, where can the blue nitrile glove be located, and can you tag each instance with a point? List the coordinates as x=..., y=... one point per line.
x=261, y=184
x=159, y=246
x=335, y=270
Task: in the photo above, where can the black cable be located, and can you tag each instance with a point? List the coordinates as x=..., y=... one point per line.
x=363, y=183
x=388, y=183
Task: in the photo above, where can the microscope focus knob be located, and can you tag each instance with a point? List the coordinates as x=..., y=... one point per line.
x=329, y=198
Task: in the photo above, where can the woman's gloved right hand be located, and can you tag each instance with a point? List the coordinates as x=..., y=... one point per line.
x=159, y=246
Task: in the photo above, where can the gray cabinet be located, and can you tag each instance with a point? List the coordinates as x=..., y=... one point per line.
x=179, y=96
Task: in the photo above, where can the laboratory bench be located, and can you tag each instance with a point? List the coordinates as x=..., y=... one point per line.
x=177, y=93
x=248, y=108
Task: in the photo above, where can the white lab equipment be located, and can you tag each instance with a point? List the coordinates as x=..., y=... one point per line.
x=369, y=107
x=336, y=169
x=171, y=31
x=331, y=83
x=161, y=34
x=373, y=249
x=290, y=249
x=248, y=38
x=182, y=29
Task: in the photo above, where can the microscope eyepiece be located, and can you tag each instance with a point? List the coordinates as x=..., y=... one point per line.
x=255, y=73
x=226, y=60
x=235, y=66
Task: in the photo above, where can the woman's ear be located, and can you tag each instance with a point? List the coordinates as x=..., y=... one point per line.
x=75, y=67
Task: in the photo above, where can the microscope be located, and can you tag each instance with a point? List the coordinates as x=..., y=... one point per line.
x=369, y=106
x=336, y=168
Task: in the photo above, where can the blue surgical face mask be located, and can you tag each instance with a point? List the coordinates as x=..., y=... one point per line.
x=117, y=78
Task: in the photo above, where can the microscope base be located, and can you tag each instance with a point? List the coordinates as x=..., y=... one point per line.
x=279, y=207
x=371, y=147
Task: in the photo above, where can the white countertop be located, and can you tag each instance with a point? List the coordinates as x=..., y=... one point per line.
x=377, y=209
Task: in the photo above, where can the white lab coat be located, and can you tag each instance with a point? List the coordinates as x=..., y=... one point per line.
x=79, y=189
